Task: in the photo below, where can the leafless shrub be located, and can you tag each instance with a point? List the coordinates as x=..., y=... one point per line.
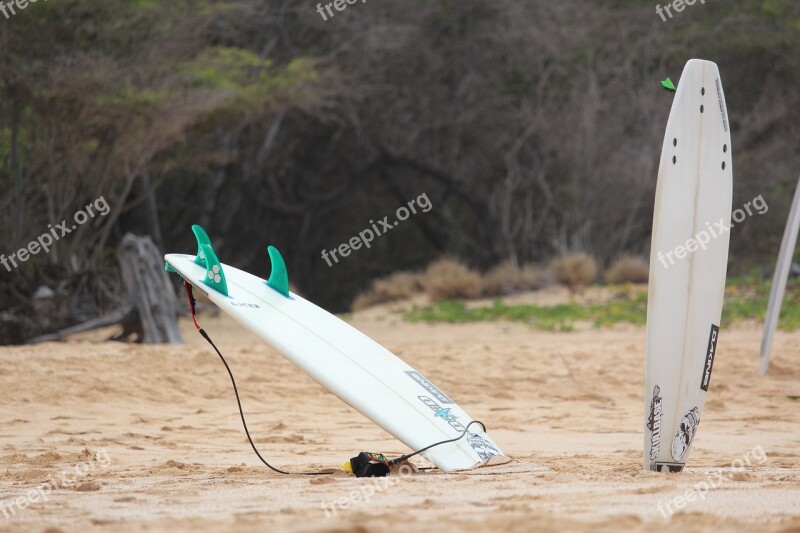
x=447, y=278
x=398, y=286
x=575, y=270
x=509, y=278
x=628, y=269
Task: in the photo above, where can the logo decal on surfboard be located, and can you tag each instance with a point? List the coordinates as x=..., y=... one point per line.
x=654, y=425
x=432, y=389
x=685, y=435
x=710, y=351
x=482, y=447
x=244, y=304
x=444, y=414
x=722, y=106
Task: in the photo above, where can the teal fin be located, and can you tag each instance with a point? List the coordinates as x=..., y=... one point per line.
x=169, y=268
x=202, y=239
x=668, y=85
x=278, y=278
x=215, y=277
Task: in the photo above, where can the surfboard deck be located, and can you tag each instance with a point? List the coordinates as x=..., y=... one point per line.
x=352, y=366
x=688, y=265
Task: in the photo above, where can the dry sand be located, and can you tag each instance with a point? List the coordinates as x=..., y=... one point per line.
x=566, y=406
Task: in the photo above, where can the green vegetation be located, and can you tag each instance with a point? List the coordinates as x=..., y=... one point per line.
x=746, y=299
x=561, y=317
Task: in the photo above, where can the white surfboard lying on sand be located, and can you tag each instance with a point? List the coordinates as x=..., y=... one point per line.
x=688, y=264
x=779, y=280
x=355, y=368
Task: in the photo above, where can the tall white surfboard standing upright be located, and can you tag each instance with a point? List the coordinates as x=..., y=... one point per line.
x=779, y=279
x=688, y=265
x=354, y=367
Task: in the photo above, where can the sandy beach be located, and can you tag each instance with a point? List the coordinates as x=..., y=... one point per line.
x=148, y=438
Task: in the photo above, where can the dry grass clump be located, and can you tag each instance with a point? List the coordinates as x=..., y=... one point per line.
x=628, y=269
x=397, y=286
x=509, y=278
x=448, y=279
x=575, y=270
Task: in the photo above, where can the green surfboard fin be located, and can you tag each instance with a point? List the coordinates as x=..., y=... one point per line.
x=215, y=277
x=668, y=85
x=202, y=239
x=278, y=278
x=169, y=268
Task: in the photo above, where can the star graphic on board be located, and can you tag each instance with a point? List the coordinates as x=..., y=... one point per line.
x=444, y=413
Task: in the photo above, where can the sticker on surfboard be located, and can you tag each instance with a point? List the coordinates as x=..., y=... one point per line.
x=482, y=446
x=705, y=380
x=685, y=434
x=654, y=425
x=688, y=265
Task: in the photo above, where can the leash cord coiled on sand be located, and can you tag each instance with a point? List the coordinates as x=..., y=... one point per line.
x=188, y=287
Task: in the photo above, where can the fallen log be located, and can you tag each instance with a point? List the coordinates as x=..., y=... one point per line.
x=115, y=317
